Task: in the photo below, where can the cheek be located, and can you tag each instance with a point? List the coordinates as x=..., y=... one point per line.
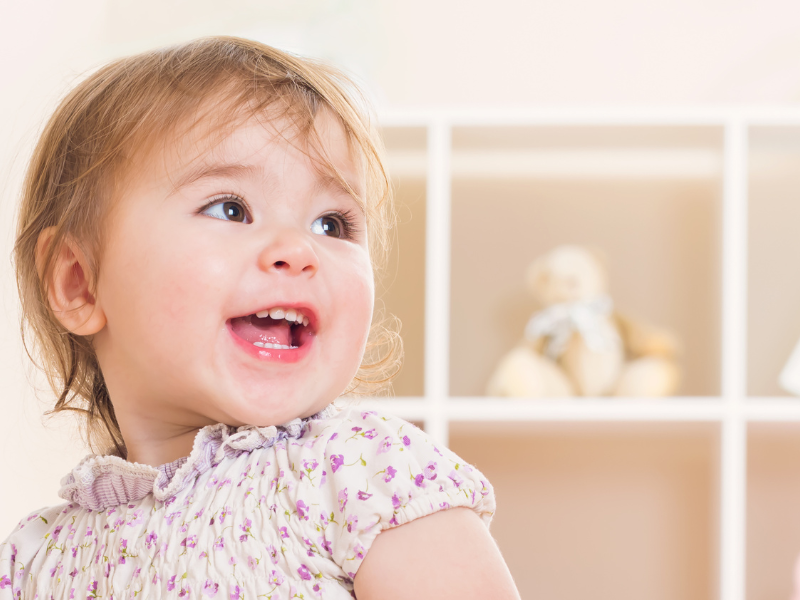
x=168, y=286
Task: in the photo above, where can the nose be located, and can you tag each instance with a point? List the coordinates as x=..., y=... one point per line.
x=289, y=252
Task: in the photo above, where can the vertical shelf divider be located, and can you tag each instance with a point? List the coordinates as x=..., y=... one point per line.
x=437, y=281
x=733, y=455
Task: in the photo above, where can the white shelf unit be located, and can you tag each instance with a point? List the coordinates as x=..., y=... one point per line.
x=730, y=411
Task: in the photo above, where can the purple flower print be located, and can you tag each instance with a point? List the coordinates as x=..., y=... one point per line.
x=204, y=554
x=337, y=460
x=325, y=544
x=356, y=429
x=71, y=594
x=225, y=512
x=5, y=582
x=151, y=539
x=370, y=434
x=455, y=478
x=252, y=563
x=88, y=533
x=273, y=554
x=351, y=523
x=189, y=542
x=137, y=518
x=419, y=480
x=57, y=532
x=74, y=552
x=364, y=495
x=284, y=532
x=171, y=583
x=172, y=516
x=360, y=552
x=342, y=499
x=210, y=588
x=333, y=437
x=219, y=544
x=92, y=589
x=366, y=413
x=243, y=537
x=390, y=473
x=235, y=592
x=385, y=445
x=310, y=466
x=406, y=441
x=73, y=573
x=430, y=471
x=304, y=573
x=275, y=578
x=302, y=510
x=396, y=501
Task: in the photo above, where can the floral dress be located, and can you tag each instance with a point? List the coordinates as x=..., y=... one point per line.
x=255, y=512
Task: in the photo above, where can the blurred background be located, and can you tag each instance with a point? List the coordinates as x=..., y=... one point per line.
x=588, y=507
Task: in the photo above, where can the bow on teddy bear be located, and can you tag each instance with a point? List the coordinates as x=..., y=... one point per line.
x=577, y=345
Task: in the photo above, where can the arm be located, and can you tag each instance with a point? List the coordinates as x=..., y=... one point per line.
x=448, y=555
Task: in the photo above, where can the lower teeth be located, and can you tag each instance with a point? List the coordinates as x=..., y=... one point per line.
x=274, y=346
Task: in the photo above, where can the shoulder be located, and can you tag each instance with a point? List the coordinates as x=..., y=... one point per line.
x=380, y=472
x=24, y=542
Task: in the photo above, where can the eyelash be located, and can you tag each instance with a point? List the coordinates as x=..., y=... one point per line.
x=221, y=198
x=350, y=226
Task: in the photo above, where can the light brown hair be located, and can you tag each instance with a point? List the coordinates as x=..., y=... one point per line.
x=128, y=107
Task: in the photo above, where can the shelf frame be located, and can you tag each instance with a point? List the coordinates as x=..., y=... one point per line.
x=732, y=410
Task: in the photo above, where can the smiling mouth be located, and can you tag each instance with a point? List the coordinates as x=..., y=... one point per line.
x=277, y=328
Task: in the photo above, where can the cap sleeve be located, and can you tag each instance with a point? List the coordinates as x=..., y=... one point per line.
x=20, y=548
x=383, y=472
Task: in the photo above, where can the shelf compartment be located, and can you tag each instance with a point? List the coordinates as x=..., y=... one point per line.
x=773, y=519
x=660, y=232
x=401, y=290
x=773, y=244
x=632, y=508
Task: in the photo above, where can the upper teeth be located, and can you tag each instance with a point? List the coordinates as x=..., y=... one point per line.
x=289, y=314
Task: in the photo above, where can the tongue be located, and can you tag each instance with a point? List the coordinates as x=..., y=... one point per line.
x=266, y=330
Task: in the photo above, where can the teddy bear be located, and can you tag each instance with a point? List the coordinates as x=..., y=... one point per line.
x=577, y=345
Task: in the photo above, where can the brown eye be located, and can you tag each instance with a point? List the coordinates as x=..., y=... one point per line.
x=229, y=210
x=233, y=211
x=327, y=226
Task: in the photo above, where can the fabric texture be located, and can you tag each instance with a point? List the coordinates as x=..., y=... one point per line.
x=270, y=512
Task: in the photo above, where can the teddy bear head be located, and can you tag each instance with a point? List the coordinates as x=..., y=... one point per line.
x=567, y=274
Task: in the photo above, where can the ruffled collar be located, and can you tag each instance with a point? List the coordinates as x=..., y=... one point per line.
x=101, y=482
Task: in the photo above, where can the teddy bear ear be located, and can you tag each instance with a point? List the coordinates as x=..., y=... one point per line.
x=599, y=255
x=535, y=275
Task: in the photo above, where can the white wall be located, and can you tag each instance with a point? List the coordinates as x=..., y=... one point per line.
x=410, y=53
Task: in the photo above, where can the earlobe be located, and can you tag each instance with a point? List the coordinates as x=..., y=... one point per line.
x=69, y=285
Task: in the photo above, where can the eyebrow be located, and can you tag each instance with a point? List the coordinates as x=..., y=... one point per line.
x=329, y=181
x=206, y=171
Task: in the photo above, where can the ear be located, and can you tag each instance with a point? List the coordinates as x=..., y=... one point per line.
x=69, y=285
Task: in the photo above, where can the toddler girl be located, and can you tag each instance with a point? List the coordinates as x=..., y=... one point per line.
x=195, y=255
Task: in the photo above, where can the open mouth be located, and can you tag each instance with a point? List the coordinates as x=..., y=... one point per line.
x=277, y=328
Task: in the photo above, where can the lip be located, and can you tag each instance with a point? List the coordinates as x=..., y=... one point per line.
x=291, y=355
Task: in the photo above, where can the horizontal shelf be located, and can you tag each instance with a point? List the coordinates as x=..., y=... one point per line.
x=677, y=409
x=590, y=116
x=553, y=164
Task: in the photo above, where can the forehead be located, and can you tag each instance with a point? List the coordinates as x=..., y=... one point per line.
x=216, y=142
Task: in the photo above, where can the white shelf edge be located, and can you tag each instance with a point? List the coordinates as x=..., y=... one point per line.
x=644, y=116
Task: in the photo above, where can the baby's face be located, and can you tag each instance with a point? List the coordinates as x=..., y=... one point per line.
x=244, y=295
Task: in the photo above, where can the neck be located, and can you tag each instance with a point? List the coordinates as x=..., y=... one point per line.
x=154, y=442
